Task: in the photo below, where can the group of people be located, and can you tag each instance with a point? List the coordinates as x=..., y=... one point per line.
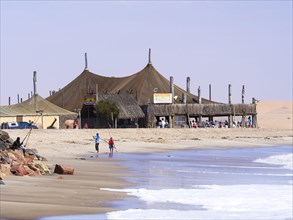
x=110, y=143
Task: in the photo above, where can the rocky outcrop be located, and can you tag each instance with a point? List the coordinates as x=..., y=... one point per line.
x=15, y=162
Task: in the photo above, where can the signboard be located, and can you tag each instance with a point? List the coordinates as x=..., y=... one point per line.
x=162, y=98
x=90, y=100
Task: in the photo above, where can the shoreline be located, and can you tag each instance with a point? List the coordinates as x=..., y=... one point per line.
x=52, y=195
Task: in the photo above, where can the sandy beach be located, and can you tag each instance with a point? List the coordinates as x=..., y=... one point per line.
x=35, y=197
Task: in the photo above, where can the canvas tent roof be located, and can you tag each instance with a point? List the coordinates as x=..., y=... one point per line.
x=31, y=106
x=140, y=85
x=127, y=105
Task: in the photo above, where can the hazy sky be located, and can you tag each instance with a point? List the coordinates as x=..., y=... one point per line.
x=213, y=42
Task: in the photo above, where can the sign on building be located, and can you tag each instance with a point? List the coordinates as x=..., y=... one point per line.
x=162, y=98
x=89, y=100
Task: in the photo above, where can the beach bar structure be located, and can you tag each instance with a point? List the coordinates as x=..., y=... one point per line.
x=157, y=97
x=179, y=115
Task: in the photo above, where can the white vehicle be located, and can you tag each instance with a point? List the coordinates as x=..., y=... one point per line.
x=12, y=125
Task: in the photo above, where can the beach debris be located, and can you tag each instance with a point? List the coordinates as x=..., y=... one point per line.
x=63, y=169
x=15, y=162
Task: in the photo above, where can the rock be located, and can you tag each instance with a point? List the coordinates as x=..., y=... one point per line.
x=5, y=168
x=42, y=167
x=2, y=145
x=18, y=170
x=62, y=169
x=2, y=175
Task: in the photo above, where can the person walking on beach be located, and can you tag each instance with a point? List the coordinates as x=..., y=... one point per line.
x=97, y=142
x=111, y=145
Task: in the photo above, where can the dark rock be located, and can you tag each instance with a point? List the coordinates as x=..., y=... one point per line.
x=62, y=169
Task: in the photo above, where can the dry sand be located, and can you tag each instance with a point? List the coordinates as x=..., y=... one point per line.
x=33, y=197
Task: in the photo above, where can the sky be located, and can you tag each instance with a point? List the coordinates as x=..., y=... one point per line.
x=212, y=42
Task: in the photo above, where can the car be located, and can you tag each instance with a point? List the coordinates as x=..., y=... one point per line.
x=12, y=125
x=24, y=125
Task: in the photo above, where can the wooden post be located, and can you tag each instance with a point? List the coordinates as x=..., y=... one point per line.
x=172, y=88
x=17, y=98
x=97, y=93
x=229, y=93
x=199, y=95
x=254, y=121
x=9, y=100
x=210, y=92
x=150, y=50
x=188, y=84
x=200, y=120
x=35, y=82
x=243, y=121
x=85, y=59
x=184, y=98
x=230, y=121
x=171, y=121
x=243, y=93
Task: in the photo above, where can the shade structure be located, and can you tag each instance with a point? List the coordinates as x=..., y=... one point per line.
x=140, y=85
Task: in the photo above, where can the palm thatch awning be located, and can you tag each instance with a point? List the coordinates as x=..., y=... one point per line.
x=129, y=109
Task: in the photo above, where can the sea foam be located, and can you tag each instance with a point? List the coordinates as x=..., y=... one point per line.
x=216, y=202
x=286, y=161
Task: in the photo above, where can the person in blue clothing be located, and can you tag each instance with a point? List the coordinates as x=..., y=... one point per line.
x=97, y=142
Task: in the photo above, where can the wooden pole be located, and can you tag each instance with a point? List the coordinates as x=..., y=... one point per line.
x=97, y=93
x=172, y=88
x=210, y=92
x=188, y=84
x=229, y=93
x=85, y=60
x=35, y=82
x=243, y=93
x=9, y=100
x=184, y=98
x=150, y=51
x=17, y=98
x=199, y=95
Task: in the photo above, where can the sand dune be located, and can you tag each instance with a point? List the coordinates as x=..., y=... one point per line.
x=275, y=114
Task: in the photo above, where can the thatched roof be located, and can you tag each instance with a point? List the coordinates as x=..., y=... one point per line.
x=129, y=109
x=31, y=106
x=140, y=85
x=202, y=109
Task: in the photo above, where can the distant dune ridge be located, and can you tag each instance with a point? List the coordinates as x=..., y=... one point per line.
x=275, y=114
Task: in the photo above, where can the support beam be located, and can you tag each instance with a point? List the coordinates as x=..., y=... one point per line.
x=210, y=92
x=35, y=82
x=85, y=60
x=229, y=93
x=97, y=93
x=150, y=51
x=199, y=95
x=243, y=93
x=172, y=88
x=188, y=84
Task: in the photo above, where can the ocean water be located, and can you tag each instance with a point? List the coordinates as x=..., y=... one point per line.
x=247, y=183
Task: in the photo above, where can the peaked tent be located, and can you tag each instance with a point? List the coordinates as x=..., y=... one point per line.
x=141, y=85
